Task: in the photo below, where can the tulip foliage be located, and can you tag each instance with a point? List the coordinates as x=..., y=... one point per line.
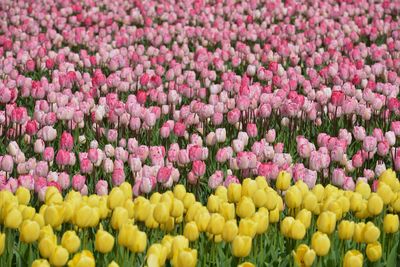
x=248, y=223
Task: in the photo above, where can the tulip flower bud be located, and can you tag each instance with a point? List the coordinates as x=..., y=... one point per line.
x=216, y=224
x=104, y=241
x=283, y=181
x=346, y=230
x=230, y=231
x=234, y=192
x=29, y=231
x=119, y=217
x=245, y=208
x=13, y=219
x=374, y=251
x=326, y=222
x=116, y=198
x=40, y=263
x=371, y=233
x=353, y=258
x=375, y=204
x=191, y=231
x=391, y=223
x=59, y=256
x=247, y=227
x=320, y=243
x=23, y=195
x=241, y=246
x=71, y=241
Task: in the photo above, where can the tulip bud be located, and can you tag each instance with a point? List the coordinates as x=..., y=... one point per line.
x=375, y=204
x=29, y=231
x=391, y=223
x=234, y=192
x=353, y=258
x=320, y=243
x=23, y=195
x=346, y=230
x=241, y=246
x=40, y=263
x=245, y=208
x=326, y=222
x=104, y=241
x=59, y=256
x=283, y=181
x=371, y=233
x=374, y=251
x=191, y=231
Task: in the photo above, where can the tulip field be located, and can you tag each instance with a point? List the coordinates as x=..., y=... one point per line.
x=199, y=133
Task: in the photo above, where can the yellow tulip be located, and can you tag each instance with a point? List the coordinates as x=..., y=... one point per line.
x=375, y=204
x=385, y=192
x=127, y=190
x=246, y=264
x=260, y=198
x=261, y=182
x=241, y=246
x=391, y=223
x=127, y=234
x=53, y=215
x=82, y=259
x=326, y=222
x=286, y=225
x=70, y=240
x=177, y=208
x=191, y=231
x=40, y=263
x=245, y=208
x=29, y=231
x=222, y=193
x=262, y=219
x=161, y=212
x=155, y=198
x=179, y=242
x=113, y=264
x=188, y=200
x=59, y=256
x=83, y=216
x=274, y=215
x=119, y=217
x=371, y=233
x=364, y=189
x=293, y=197
x=249, y=187
x=202, y=219
x=356, y=202
x=297, y=230
x=159, y=254
x=13, y=219
x=150, y=222
x=227, y=210
x=283, y=180
x=216, y=224
x=213, y=203
x=234, y=192
x=116, y=198
x=272, y=199
x=23, y=195
x=140, y=242
x=247, y=227
x=39, y=219
x=230, y=231
x=374, y=251
x=358, y=235
x=53, y=196
x=346, y=230
x=304, y=216
x=142, y=208
x=320, y=243
x=179, y=191
x=104, y=241
x=304, y=256
x=353, y=258
x=186, y=258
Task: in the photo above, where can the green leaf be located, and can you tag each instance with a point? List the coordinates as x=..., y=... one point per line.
x=392, y=259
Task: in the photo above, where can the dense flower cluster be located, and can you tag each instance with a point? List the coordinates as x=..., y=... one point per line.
x=144, y=97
